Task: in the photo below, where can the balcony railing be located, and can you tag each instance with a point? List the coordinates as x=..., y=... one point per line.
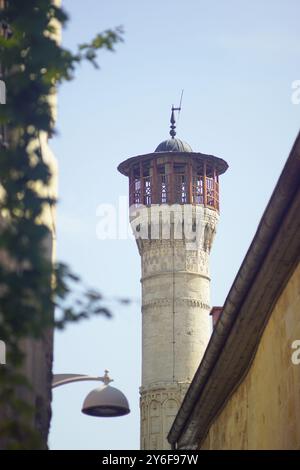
x=174, y=189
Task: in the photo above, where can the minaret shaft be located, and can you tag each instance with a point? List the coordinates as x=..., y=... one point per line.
x=174, y=209
x=175, y=322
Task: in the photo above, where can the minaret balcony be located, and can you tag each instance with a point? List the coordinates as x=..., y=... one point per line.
x=174, y=178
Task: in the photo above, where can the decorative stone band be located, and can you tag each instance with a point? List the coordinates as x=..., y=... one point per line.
x=196, y=303
x=159, y=406
x=162, y=387
x=162, y=259
x=167, y=273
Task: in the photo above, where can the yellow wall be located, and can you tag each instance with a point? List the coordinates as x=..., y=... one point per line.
x=264, y=411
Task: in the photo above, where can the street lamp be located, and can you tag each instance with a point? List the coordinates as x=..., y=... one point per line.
x=104, y=401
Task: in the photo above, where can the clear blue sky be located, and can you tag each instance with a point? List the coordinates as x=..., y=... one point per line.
x=236, y=61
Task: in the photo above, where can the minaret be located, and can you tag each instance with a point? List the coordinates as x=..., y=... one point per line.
x=174, y=210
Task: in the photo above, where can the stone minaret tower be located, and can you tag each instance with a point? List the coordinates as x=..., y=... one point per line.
x=174, y=210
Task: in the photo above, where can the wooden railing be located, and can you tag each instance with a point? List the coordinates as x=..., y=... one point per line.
x=175, y=189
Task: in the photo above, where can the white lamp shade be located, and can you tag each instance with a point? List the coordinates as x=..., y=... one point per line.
x=105, y=402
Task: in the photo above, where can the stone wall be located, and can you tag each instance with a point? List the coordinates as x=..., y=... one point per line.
x=264, y=411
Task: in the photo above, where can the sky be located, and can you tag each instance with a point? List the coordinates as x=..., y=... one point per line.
x=237, y=62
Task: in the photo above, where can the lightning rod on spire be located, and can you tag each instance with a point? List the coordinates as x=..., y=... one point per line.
x=172, y=119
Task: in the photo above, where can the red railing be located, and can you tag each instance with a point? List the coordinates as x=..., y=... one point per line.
x=174, y=189
x=140, y=191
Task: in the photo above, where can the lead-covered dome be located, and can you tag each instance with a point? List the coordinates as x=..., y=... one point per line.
x=173, y=145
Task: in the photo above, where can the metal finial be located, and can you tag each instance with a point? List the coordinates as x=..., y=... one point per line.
x=173, y=123
x=172, y=120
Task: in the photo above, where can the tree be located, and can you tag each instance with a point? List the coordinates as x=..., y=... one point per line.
x=31, y=286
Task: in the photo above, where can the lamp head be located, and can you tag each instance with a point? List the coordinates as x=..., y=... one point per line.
x=105, y=401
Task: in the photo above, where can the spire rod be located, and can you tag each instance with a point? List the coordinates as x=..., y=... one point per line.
x=172, y=119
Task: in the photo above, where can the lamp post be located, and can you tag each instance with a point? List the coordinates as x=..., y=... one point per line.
x=104, y=401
